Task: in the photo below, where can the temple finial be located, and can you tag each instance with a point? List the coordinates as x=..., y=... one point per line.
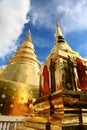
x=59, y=35
x=28, y=37
x=56, y=28
x=56, y=23
x=56, y=32
x=29, y=33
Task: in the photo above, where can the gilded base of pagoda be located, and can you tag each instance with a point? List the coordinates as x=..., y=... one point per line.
x=40, y=123
x=13, y=98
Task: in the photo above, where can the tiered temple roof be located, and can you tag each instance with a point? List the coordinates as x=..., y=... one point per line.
x=26, y=53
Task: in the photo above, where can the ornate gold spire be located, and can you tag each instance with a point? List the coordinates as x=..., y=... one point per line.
x=56, y=33
x=59, y=35
x=26, y=52
x=56, y=29
x=28, y=37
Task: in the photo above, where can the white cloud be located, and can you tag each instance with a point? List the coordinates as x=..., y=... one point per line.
x=72, y=15
x=12, y=18
x=43, y=13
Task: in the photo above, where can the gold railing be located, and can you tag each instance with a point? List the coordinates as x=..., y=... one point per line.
x=9, y=125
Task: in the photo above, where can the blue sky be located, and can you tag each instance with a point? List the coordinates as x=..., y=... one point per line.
x=40, y=16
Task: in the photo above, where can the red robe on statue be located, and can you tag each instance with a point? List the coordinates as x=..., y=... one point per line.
x=81, y=74
x=46, y=81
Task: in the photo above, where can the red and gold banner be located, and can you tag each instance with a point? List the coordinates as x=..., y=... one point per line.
x=46, y=81
x=81, y=74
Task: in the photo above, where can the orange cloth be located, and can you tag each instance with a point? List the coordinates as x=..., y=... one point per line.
x=81, y=74
x=46, y=81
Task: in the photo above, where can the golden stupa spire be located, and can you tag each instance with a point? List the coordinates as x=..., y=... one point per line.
x=26, y=52
x=59, y=35
x=56, y=28
x=28, y=37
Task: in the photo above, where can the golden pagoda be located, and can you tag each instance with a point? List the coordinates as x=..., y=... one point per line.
x=21, y=75
x=62, y=103
x=54, y=96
